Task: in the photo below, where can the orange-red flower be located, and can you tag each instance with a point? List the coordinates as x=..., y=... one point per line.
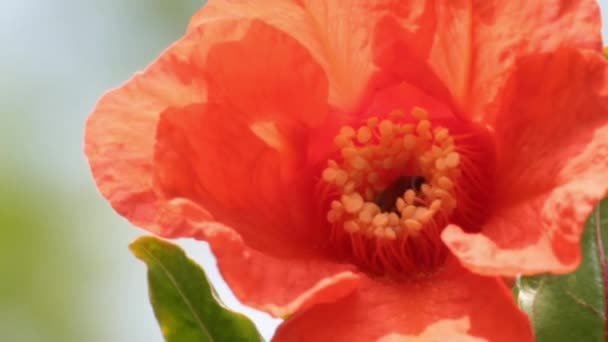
x=369, y=169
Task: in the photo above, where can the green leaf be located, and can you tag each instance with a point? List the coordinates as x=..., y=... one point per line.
x=185, y=303
x=571, y=307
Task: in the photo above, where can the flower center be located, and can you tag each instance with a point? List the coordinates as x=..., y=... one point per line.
x=395, y=188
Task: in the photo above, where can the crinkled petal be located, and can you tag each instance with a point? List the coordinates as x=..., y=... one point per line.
x=552, y=147
x=237, y=177
x=465, y=50
x=119, y=138
x=242, y=156
x=266, y=104
x=380, y=308
x=279, y=286
x=339, y=34
x=427, y=47
x=505, y=31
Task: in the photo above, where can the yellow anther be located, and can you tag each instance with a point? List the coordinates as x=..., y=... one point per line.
x=408, y=211
x=419, y=113
x=351, y=226
x=372, y=207
x=424, y=126
x=445, y=183
x=342, y=141
x=441, y=193
x=426, y=189
x=400, y=204
x=435, y=152
x=329, y=175
x=373, y=156
x=366, y=152
x=407, y=128
x=366, y=216
x=390, y=234
x=349, y=152
x=380, y=220
x=349, y=187
x=423, y=215
x=452, y=160
x=413, y=224
x=410, y=196
x=347, y=131
x=440, y=164
x=336, y=204
x=441, y=134
x=359, y=163
x=372, y=122
x=410, y=141
x=393, y=219
x=364, y=134
x=436, y=205
x=386, y=128
x=352, y=203
x=428, y=217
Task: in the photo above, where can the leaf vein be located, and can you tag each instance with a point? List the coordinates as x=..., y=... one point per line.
x=181, y=293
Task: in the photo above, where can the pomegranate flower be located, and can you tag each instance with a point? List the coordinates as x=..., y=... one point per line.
x=369, y=169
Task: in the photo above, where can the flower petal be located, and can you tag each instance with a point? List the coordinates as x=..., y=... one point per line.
x=121, y=132
x=463, y=44
x=337, y=33
x=456, y=329
x=274, y=284
x=427, y=47
x=380, y=308
x=119, y=138
x=243, y=155
x=552, y=147
x=236, y=176
x=279, y=81
x=534, y=27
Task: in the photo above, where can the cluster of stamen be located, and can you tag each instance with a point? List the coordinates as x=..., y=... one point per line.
x=395, y=178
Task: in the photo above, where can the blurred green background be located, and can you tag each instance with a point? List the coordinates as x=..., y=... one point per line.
x=65, y=270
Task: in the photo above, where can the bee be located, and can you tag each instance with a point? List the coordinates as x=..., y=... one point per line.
x=387, y=199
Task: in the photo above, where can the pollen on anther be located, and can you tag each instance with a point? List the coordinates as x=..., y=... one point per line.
x=377, y=156
x=364, y=134
x=341, y=177
x=413, y=224
x=380, y=220
x=386, y=127
x=329, y=175
x=352, y=203
x=452, y=160
x=445, y=182
x=419, y=113
x=408, y=211
x=409, y=141
x=409, y=196
x=358, y=162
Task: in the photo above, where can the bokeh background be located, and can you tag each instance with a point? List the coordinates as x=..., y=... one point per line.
x=65, y=271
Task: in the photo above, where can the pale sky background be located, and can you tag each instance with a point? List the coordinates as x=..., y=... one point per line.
x=68, y=275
